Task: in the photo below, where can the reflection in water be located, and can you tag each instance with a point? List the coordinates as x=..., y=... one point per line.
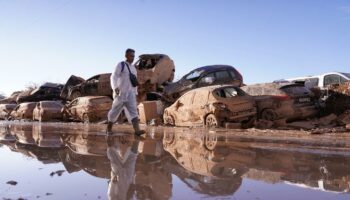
x=144, y=168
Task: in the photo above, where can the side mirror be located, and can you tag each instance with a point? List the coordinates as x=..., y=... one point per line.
x=209, y=80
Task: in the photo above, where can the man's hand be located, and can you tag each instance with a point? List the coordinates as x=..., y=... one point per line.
x=116, y=91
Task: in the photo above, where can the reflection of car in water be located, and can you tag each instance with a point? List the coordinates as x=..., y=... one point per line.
x=201, y=77
x=213, y=172
x=283, y=100
x=88, y=109
x=5, y=134
x=45, y=92
x=211, y=106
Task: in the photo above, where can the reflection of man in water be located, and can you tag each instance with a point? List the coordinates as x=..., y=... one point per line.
x=122, y=152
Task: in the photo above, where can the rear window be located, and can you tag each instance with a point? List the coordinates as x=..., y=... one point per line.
x=229, y=92
x=296, y=90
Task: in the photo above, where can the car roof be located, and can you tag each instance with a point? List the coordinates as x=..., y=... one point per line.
x=156, y=56
x=212, y=68
x=315, y=76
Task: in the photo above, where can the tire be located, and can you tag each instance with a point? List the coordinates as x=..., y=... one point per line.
x=212, y=121
x=269, y=114
x=86, y=118
x=169, y=120
x=210, y=141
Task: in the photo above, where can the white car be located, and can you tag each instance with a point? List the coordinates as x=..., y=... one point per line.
x=324, y=80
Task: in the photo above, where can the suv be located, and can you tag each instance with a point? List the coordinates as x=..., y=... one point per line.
x=201, y=77
x=323, y=81
x=47, y=91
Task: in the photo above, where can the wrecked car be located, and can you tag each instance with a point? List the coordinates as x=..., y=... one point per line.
x=47, y=91
x=88, y=109
x=211, y=106
x=48, y=111
x=153, y=71
x=72, y=81
x=23, y=111
x=11, y=99
x=5, y=110
x=283, y=100
x=99, y=85
x=204, y=76
x=338, y=98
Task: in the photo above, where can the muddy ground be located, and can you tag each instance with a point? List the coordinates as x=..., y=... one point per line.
x=78, y=161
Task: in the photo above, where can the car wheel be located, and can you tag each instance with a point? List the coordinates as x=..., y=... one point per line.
x=211, y=121
x=169, y=120
x=86, y=118
x=75, y=94
x=169, y=138
x=268, y=114
x=210, y=141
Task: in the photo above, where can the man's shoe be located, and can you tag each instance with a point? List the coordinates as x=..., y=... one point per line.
x=140, y=132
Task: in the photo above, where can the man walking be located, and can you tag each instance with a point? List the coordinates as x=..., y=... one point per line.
x=124, y=92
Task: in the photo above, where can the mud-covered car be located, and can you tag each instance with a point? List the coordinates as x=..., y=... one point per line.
x=99, y=85
x=5, y=110
x=212, y=106
x=11, y=99
x=48, y=111
x=153, y=71
x=88, y=109
x=45, y=92
x=23, y=111
x=204, y=76
x=283, y=100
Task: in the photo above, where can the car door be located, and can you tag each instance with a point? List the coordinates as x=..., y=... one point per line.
x=222, y=77
x=184, y=109
x=200, y=100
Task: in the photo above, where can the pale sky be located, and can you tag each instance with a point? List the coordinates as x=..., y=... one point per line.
x=266, y=40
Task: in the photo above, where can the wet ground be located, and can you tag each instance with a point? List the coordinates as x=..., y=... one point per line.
x=76, y=161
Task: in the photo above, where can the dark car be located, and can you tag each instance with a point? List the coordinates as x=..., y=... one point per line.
x=98, y=85
x=283, y=100
x=46, y=92
x=201, y=77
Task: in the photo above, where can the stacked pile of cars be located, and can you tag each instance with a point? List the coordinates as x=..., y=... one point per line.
x=213, y=96
x=84, y=100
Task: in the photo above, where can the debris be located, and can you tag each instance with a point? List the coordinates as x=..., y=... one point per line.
x=155, y=122
x=329, y=130
x=148, y=111
x=280, y=123
x=12, y=183
x=344, y=118
x=264, y=124
x=229, y=125
x=48, y=194
x=327, y=120
x=305, y=125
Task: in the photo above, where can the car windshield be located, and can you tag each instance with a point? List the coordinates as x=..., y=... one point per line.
x=193, y=76
x=346, y=74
